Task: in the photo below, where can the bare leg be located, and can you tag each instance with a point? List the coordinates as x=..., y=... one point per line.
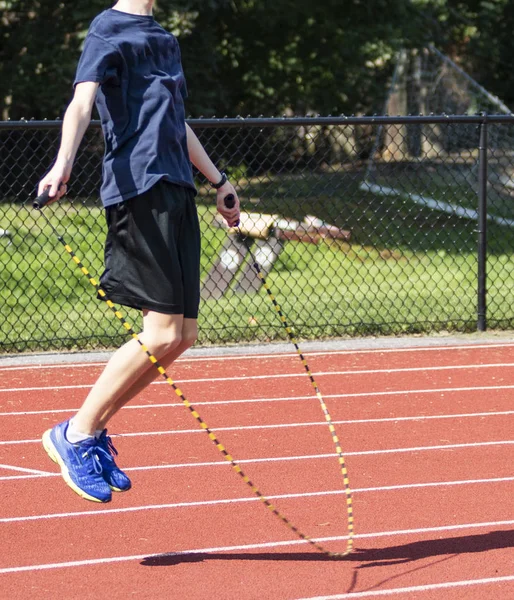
x=161, y=334
x=189, y=335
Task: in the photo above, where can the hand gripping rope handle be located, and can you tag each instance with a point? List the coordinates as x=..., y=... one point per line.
x=39, y=203
x=42, y=200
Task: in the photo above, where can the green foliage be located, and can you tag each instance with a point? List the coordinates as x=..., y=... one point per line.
x=240, y=56
x=475, y=33
x=40, y=45
x=262, y=57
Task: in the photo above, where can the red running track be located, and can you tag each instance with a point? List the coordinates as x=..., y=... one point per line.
x=427, y=436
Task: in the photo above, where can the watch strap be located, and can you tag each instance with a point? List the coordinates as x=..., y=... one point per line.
x=221, y=182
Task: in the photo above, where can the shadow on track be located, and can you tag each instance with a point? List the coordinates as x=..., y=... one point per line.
x=404, y=553
x=373, y=557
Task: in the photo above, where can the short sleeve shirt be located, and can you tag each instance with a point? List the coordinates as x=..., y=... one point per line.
x=140, y=101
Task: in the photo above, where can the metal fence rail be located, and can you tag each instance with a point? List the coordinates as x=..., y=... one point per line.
x=364, y=225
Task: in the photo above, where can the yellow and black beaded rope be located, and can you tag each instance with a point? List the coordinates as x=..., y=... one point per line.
x=229, y=202
x=44, y=199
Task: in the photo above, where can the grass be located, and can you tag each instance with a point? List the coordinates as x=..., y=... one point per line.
x=407, y=269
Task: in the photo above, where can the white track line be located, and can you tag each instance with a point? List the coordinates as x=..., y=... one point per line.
x=328, y=455
x=331, y=455
x=56, y=387
x=25, y=470
x=307, y=354
x=231, y=501
x=416, y=418
x=16, y=477
x=281, y=376
x=416, y=588
x=247, y=547
x=62, y=366
x=275, y=399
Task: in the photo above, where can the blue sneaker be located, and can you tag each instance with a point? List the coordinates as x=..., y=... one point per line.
x=80, y=464
x=112, y=474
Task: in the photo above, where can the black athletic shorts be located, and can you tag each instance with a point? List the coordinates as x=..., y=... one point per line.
x=152, y=251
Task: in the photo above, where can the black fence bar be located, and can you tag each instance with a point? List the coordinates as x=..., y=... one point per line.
x=363, y=225
x=482, y=229
x=239, y=122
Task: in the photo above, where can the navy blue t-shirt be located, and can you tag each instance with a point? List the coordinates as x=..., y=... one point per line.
x=140, y=101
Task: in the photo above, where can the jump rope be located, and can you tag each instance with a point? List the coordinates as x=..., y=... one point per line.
x=229, y=200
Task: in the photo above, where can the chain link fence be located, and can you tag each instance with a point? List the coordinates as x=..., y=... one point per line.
x=362, y=225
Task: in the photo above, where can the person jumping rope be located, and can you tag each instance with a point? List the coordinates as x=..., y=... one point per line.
x=132, y=68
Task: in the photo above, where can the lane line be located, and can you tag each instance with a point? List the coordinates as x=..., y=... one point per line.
x=290, y=425
x=219, y=463
x=230, y=501
x=25, y=470
x=16, y=477
x=416, y=588
x=308, y=353
x=62, y=366
x=256, y=546
x=224, y=501
x=327, y=455
x=282, y=376
x=291, y=458
x=275, y=399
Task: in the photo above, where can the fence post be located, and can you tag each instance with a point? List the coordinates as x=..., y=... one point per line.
x=482, y=228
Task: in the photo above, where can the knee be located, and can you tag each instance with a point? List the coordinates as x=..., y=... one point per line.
x=163, y=342
x=188, y=339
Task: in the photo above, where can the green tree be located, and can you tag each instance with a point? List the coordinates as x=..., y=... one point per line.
x=269, y=56
x=261, y=56
x=477, y=34
x=40, y=42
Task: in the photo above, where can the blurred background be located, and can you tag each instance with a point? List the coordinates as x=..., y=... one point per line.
x=267, y=57
x=363, y=225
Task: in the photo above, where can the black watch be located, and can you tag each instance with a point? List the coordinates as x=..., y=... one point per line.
x=221, y=182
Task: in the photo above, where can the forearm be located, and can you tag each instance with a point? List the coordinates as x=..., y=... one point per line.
x=200, y=158
x=204, y=164
x=75, y=123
